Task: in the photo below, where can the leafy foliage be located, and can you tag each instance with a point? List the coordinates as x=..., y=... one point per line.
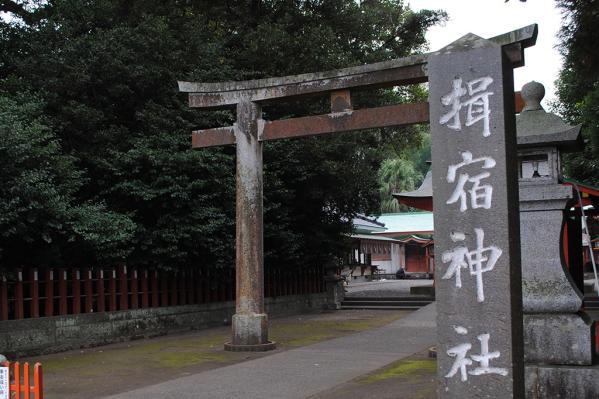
x=578, y=84
x=105, y=75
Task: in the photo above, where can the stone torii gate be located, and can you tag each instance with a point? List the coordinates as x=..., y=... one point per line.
x=249, y=324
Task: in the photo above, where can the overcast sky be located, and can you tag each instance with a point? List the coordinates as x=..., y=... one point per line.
x=488, y=18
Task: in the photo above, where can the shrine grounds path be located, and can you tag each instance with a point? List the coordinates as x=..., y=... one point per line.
x=343, y=354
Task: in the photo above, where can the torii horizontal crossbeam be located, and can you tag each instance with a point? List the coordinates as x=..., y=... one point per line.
x=392, y=115
x=402, y=71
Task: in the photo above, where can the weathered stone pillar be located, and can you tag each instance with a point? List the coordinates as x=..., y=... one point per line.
x=558, y=338
x=478, y=287
x=250, y=322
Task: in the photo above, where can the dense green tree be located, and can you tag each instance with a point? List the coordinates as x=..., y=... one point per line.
x=106, y=72
x=578, y=84
x=39, y=213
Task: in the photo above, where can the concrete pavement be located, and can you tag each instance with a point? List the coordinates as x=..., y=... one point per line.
x=306, y=371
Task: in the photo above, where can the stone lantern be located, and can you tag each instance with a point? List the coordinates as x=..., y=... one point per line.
x=558, y=338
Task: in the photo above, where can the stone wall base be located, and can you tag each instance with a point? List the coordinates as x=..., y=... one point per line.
x=31, y=337
x=562, y=382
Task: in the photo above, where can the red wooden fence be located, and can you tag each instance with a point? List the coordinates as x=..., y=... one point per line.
x=33, y=292
x=20, y=381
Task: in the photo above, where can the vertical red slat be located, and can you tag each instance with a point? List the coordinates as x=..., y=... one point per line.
x=144, y=288
x=230, y=285
x=154, y=282
x=76, y=290
x=200, y=293
x=62, y=292
x=123, y=288
x=17, y=376
x=19, y=310
x=189, y=284
x=35, y=293
x=174, y=290
x=134, y=293
x=112, y=290
x=49, y=292
x=205, y=286
x=38, y=382
x=3, y=298
x=88, y=290
x=164, y=289
x=101, y=295
x=26, y=388
x=182, y=287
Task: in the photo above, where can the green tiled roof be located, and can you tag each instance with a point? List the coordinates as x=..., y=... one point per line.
x=407, y=222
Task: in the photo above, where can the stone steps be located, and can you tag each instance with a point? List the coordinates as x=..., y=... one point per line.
x=387, y=303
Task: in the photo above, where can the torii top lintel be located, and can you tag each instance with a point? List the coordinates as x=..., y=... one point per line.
x=398, y=72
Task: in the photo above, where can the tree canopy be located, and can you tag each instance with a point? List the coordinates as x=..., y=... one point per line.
x=578, y=84
x=90, y=87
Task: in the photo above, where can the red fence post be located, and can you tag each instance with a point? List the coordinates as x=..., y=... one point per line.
x=182, y=287
x=144, y=288
x=134, y=298
x=89, y=292
x=123, y=288
x=49, y=292
x=19, y=311
x=3, y=298
x=62, y=292
x=205, y=286
x=76, y=291
x=35, y=293
x=154, y=283
x=174, y=291
x=112, y=290
x=38, y=382
x=190, y=285
x=101, y=298
x=164, y=289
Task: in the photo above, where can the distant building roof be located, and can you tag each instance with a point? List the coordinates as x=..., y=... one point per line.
x=364, y=224
x=407, y=222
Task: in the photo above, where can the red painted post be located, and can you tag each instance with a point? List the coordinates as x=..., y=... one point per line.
x=17, y=377
x=38, y=382
x=3, y=298
x=62, y=292
x=76, y=291
x=231, y=284
x=164, y=289
x=205, y=286
x=190, y=285
x=182, y=287
x=35, y=293
x=134, y=293
x=112, y=290
x=19, y=311
x=144, y=288
x=123, y=288
x=26, y=385
x=154, y=284
x=101, y=298
x=199, y=285
x=88, y=290
x=49, y=292
x=174, y=290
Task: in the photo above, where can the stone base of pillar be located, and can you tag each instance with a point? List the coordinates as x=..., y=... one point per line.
x=562, y=382
x=335, y=292
x=250, y=333
x=559, y=339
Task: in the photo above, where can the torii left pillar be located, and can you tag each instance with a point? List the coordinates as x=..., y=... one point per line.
x=250, y=322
